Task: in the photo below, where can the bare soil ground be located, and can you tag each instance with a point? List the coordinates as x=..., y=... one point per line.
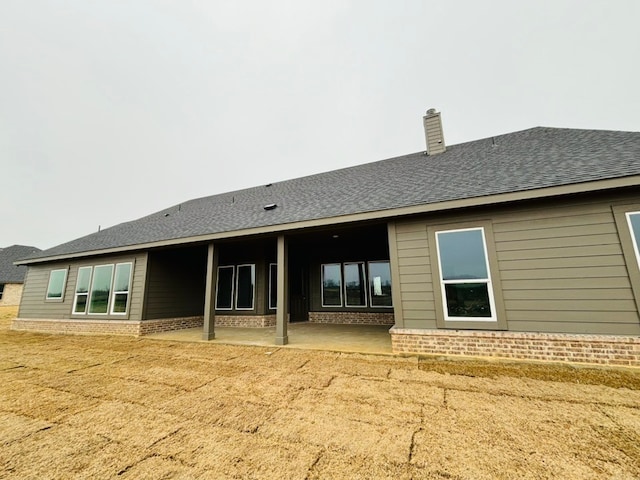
x=111, y=407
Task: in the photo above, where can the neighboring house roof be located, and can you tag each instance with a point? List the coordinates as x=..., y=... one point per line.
x=523, y=161
x=10, y=273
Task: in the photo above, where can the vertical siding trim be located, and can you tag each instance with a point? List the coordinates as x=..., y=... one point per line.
x=396, y=293
x=145, y=290
x=624, y=233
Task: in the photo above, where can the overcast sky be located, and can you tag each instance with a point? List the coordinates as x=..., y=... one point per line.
x=111, y=110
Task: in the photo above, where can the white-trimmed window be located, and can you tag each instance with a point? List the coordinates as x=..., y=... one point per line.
x=1, y=290
x=245, y=286
x=465, y=279
x=633, y=219
x=121, y=286
x=347, y=284
x=355, y=289
x=57, y=282
x=100, y=289
x=81, y=299
x=331, y=285
x=273, y=286
x=103, y=289
x=380, y=284
x=224, y=288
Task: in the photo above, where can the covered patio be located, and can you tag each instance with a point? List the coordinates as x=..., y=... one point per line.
x=338, y=338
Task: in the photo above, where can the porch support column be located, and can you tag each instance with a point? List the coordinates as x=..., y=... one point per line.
x=208, y=332
x=283, y=292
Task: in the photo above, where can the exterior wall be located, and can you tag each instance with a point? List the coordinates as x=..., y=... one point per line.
x=357, y=318
x=591, y=349
x=561, y=267
x=34, y=305
x=11, y=295
x=175, y=283
x=562, y=271
x=415, y=288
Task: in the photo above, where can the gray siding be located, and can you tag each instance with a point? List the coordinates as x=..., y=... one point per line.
x=176, y=283
x=563, y=270
x=34, y=305
x=561, y=267
x=414, y=264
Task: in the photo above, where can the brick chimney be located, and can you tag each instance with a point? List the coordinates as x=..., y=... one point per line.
x=433, y=132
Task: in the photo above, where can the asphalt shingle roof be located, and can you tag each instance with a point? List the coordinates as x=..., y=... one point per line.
x=530, y=159
x=10, y=273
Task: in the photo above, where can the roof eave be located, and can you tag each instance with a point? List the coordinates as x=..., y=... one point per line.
x=502, y=198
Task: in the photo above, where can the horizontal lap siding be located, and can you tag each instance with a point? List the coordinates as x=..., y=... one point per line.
x=34, y=305
x=138, y=286
x=176, y=284
x=414, y=266
x=563, y=270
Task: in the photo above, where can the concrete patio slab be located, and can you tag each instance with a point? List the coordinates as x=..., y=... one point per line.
x=312, y=336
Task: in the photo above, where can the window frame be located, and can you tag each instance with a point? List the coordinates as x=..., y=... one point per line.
x=76, y=294
x=115, y=292
x=1, y=290
x=632, y=233
x=364, y=286
x=498, y=320
x=64, y=285
x=233, y=277
x=370, y=283
x=253, y=286
x=340, y=288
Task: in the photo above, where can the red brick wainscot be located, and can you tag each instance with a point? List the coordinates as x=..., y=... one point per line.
x=79, y=327
x=359, y=318
x=170, y=324
x=247, y=321
x=555, y=347
x=106, y=327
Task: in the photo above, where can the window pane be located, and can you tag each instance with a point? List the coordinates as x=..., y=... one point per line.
x=245, y=286
x=273, y=285
x=120, y=302
x=123, y=273
x=462, y=255
x=84, y=276
x=380, y=284
x=224, y=296
x=331, y=285
x=56, y=283
x=81, y=303
x=354, y=285
x=100, y=289
x=468, y=300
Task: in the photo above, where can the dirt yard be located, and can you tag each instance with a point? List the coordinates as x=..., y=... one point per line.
x=110, y=407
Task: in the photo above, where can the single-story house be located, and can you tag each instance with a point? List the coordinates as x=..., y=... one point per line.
x=523, y=245
x=12, y=276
